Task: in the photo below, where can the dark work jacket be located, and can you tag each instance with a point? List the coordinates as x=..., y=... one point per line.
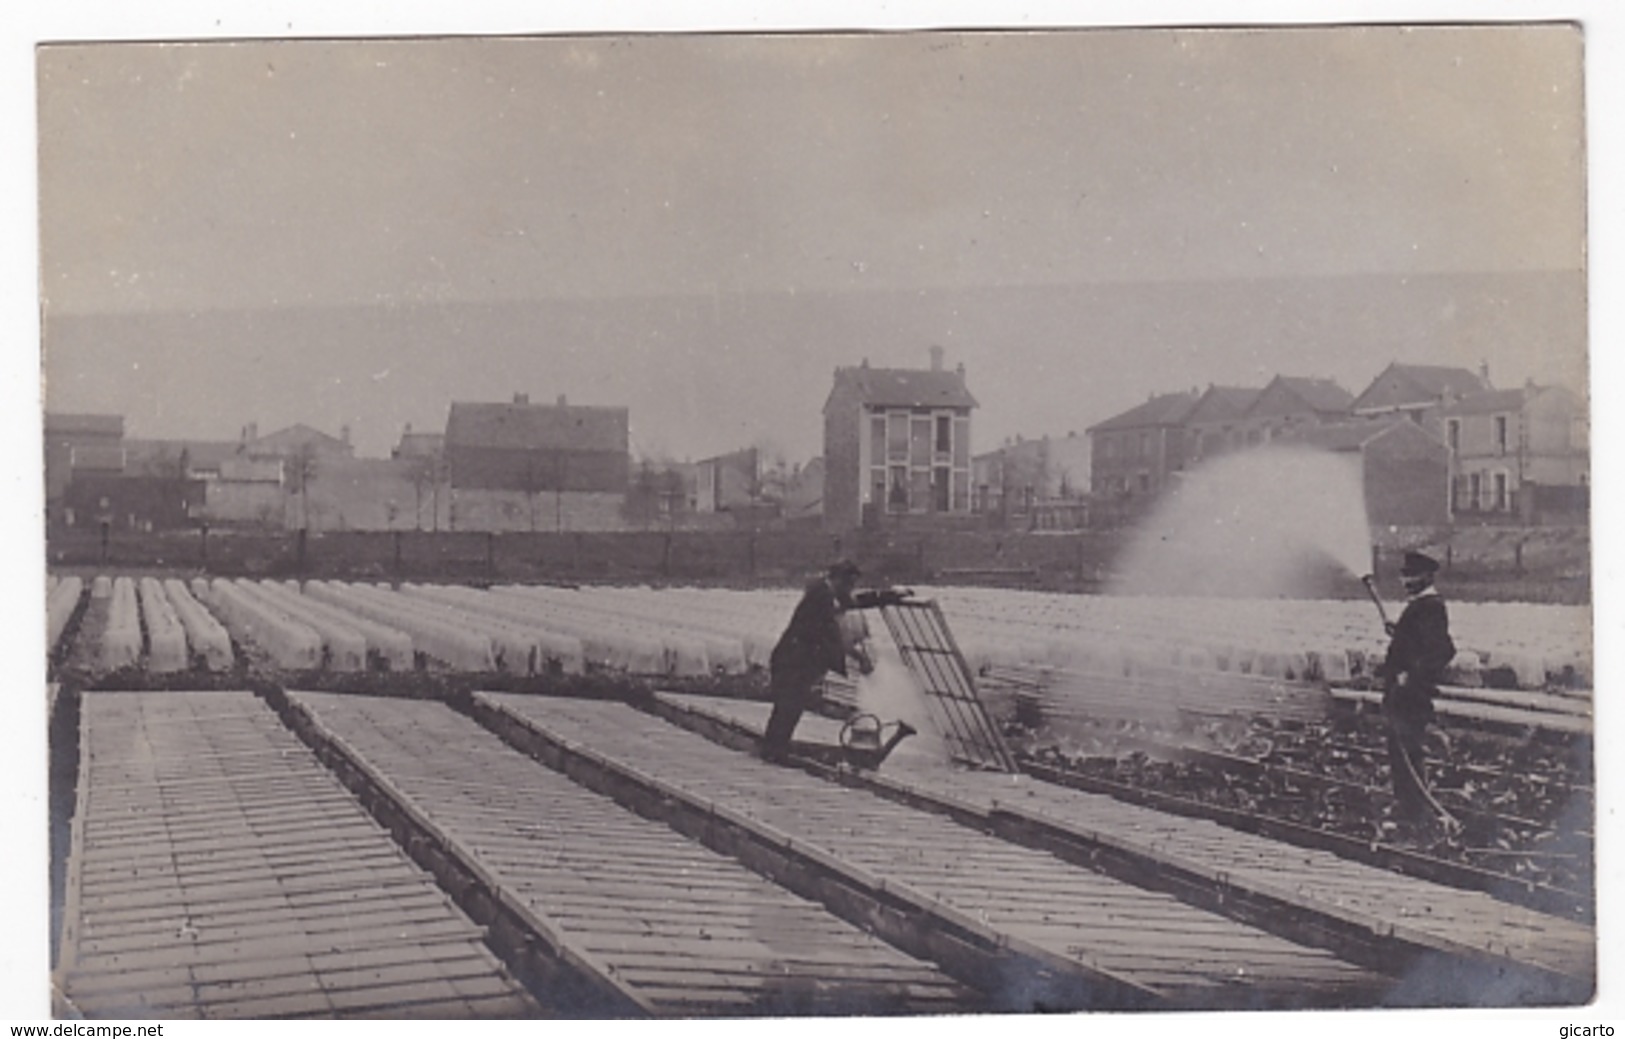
x=812, y=643
x=1421, y=649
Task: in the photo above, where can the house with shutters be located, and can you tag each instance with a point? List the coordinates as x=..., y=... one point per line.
x=897, y=445
x=1518, y=455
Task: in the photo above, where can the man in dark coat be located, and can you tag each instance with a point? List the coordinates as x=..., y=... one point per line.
x=1420, y=650
x=812, y=646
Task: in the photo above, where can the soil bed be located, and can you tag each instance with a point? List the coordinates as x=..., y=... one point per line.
x=1526, y=805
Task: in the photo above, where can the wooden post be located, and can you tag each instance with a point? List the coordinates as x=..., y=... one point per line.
x=397, y=553
x=203, y=545
x=1376, y=561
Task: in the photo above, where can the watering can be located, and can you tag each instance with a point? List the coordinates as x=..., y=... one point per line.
x=866, y=741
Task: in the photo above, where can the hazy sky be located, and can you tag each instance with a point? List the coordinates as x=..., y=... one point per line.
x=701, y=228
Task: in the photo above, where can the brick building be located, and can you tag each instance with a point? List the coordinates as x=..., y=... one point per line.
x=1134, y=453
x=1290, y=402
x=524, y=466
x=80, y=442
x=1215, y=424
x=1405, y=469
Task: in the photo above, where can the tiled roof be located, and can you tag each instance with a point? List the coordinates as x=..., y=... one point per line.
x=289, y=439
x=1222, y=403
x=1407, y=384
x=905, y=387
x=200, y=454
x=568, y=427
x=1170, y=409
x=1323, y=395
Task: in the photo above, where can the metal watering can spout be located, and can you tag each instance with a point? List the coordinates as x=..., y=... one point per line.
x=865, y=742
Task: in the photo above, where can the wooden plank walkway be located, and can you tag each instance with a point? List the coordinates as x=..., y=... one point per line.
x=665, y=925
x=219, y=871
x=1185, y=956
x=1497, y=715
x=1461, y=924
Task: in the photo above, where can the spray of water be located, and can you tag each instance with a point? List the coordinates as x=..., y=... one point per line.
x=1263, y=523
x=891, y=694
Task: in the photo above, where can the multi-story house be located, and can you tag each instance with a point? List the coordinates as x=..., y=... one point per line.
x=1522, y=453
x=1133, y=454
x=896, y=444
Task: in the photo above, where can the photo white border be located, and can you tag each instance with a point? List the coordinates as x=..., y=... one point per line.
x=24, y=920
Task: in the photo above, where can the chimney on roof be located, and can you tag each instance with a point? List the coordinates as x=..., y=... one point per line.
x=521, y=398
x=251, y=432
x=1484, y=371
x=865, y=363
x=344, y=434
x=564, y=401
x=959, y=369
x=936, y=358
x=408, y=430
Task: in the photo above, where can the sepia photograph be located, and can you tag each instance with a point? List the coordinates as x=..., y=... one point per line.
x=815, y=521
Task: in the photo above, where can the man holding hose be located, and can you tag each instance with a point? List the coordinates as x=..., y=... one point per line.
x=1420, y=650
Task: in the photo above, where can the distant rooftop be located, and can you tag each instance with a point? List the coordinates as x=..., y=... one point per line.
x=1322, y=395
x=905, y=387
x=525, y=426
x=1169, y=409
x=61, y=422
x=1222, y=403
x=1404, y=385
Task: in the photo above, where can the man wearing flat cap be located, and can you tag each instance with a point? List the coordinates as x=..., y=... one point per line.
x=813, y=645
x=1420, y=650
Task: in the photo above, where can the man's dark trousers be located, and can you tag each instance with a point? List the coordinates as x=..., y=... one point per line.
x=793, y=693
